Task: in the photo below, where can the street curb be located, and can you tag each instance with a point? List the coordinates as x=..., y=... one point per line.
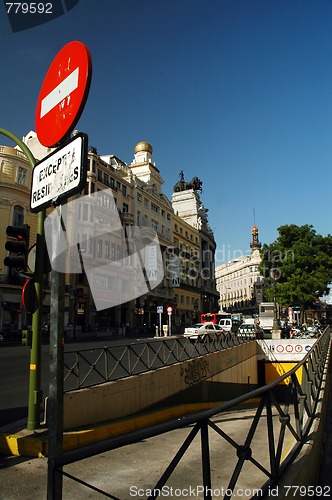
x=35, y=443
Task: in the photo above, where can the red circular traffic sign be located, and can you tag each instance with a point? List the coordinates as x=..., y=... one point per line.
x=29, y=296
x=63, y=94
x=169, y=309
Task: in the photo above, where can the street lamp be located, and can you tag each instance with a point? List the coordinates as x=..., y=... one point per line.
x=275, y=275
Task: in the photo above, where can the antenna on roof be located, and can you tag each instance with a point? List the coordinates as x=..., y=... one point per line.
x=254, y=215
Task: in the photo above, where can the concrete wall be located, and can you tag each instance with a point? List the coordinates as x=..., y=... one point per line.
x=133, y=394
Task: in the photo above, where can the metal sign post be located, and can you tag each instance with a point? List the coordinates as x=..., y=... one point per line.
x=169, y=312
x=160, y=311
x=61, y=101
x=55, y=394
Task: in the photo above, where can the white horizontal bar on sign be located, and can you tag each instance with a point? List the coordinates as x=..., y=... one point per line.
x=64, y=88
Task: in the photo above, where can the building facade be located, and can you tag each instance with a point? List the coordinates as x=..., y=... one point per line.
x=15, y=182
x=185, y=272
x=187, y=205
x=134, y=192
x=239, y=282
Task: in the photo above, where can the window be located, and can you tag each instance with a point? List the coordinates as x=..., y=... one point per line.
x=105, y=179
x=18, y=215
x=84, y=237
x=154, y=208
x=21, y=175
x=85, y=211
x=146, y=202
x=119, y=252
x=90, y=243
x=139, y=197
x=125, y=208
x=138, y=218
x=154, y=225
x=113, y=251
x=124, y=190
x=100, y=248
x=107, y=249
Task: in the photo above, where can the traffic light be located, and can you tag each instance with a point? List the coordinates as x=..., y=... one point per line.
x=20, y=247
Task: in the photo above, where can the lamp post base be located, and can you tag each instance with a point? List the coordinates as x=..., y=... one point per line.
x=276, y=334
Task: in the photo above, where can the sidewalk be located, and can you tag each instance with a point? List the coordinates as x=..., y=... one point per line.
x=131, y=471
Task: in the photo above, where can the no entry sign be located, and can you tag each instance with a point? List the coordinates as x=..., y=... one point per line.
x=63, y=94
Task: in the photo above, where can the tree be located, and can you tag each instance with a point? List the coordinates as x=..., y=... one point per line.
x=301, y=262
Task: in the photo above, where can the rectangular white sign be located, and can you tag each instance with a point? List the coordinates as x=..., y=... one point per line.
x=60, y=175
x=287, y=349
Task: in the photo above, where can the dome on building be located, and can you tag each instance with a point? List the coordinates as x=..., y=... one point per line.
x=143, y=146
x=254, y=230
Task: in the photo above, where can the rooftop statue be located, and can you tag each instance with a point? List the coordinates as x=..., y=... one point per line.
x=182, y=185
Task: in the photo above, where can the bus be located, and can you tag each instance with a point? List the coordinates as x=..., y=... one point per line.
x=229, y=322
x=213, y=317
x=266, y=315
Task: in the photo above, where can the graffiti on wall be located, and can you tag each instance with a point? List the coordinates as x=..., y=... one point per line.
x=196, y=371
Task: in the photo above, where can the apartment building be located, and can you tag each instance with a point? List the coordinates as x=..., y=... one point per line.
x=239, y=282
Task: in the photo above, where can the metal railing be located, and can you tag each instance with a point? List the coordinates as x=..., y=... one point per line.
x=89, y=367
x=286, y=426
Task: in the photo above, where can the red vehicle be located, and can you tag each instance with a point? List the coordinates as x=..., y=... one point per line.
x=213, y=317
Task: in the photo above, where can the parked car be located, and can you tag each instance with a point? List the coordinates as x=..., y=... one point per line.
x=204, y=331
x=251, y=330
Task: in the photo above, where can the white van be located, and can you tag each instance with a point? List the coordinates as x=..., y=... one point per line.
x=226, y=324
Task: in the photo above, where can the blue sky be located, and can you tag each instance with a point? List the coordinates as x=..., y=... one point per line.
x=236, y=92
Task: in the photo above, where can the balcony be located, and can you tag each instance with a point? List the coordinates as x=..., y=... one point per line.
x=127, y=218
